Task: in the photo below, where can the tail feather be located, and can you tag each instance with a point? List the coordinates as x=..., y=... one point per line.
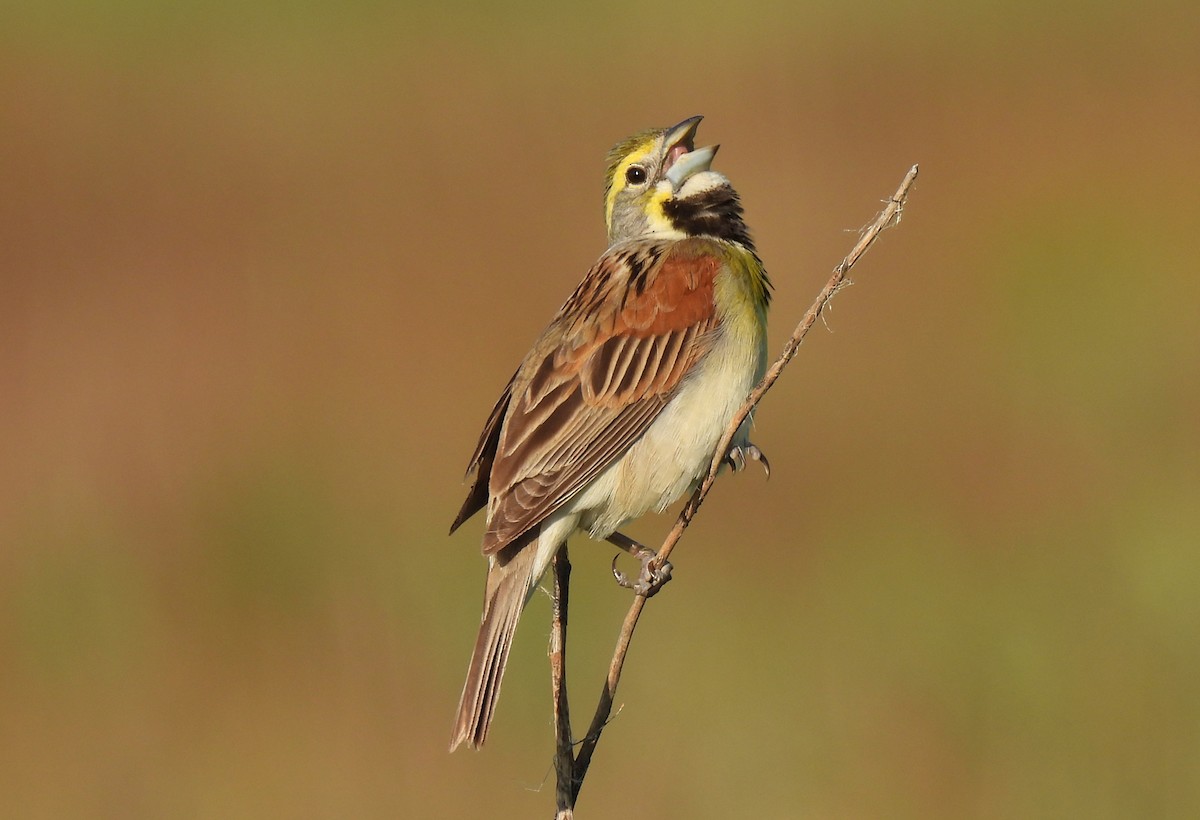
x=507, y=590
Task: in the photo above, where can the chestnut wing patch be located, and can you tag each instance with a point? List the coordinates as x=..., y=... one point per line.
x=607, y=366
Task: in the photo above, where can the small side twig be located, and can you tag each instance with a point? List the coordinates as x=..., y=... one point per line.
x=570, y=778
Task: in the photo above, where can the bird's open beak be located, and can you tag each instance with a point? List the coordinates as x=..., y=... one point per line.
x=683, y=158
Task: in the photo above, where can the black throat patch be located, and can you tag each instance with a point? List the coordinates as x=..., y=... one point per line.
x=716, y=212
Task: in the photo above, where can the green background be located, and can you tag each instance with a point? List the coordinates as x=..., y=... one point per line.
x=263, y=271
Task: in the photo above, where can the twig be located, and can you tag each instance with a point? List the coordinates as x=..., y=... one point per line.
x=888, y=217
x=588, y=745
x=564, y=758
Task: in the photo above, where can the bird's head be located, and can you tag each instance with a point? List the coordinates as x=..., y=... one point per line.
x=659, y=183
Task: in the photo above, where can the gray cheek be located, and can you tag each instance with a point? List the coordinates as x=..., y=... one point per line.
x=628, y=223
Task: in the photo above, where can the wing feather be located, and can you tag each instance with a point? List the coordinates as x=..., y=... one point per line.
x=610, y=361
x=481, y=459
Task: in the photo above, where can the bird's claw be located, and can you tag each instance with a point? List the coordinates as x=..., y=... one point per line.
x=738, y=453
x=651, y=579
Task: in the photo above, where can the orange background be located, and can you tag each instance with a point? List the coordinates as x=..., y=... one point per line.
x=263, y=271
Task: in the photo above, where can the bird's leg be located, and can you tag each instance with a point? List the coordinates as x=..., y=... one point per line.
x=736, y=457
x=652, y=578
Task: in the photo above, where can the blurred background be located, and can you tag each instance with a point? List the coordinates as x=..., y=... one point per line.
x=265, y=267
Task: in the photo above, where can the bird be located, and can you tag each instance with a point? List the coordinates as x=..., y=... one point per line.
x=620, y=404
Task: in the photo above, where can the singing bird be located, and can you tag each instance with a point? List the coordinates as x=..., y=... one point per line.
x=619, y=406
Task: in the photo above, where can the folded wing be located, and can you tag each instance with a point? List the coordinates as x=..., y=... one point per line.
x=611, y=360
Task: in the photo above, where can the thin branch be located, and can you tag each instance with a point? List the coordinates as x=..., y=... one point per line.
x=588, y=745
x=888, y=217
x=564, y=758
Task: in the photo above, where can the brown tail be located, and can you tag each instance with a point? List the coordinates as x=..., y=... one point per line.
x=507, y=590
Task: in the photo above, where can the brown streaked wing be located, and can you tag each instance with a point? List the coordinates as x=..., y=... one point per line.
x=607, y=366
x=481, y=459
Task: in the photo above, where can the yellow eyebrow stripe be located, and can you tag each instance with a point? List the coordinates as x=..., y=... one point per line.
x=618, y=180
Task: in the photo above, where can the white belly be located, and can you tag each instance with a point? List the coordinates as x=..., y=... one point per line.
x=675, y=451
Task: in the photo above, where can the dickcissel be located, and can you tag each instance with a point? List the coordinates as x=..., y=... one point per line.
x=620, y=404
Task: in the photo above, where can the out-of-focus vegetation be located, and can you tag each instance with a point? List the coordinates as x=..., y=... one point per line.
x=265, y=267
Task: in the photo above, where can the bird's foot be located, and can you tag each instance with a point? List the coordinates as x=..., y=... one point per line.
x=650, y=580
x=738, y=453
x=652, y=577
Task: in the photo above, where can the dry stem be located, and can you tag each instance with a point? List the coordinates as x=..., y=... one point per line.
x=564, y=758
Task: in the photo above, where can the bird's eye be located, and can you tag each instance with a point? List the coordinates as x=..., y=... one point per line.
x=636, y=175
